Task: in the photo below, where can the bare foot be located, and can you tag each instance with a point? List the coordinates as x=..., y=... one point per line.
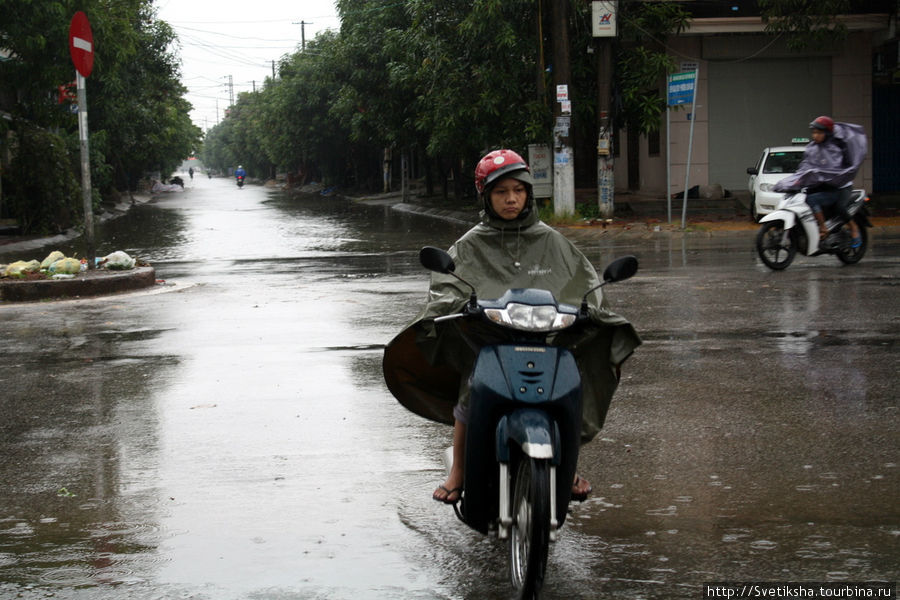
x=581, y=487
x=450, y=491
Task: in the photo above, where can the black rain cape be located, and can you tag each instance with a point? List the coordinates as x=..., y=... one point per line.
x=425, y=366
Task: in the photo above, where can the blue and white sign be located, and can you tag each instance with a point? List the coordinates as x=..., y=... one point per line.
x=681, y=88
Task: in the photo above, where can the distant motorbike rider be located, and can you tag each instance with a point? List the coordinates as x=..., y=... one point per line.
x=240, y=172
x=830, y=161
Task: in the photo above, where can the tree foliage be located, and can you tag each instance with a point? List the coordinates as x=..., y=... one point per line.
x=138, y=118
x=642, y=62
x=444, y=79
x=56, y=186
x=807, y=23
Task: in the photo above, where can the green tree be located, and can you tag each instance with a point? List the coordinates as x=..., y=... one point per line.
x=138, y=118
x=642, y=62
x=135, y=94
x=806, y=23
x=55, y=186
x=448, y=79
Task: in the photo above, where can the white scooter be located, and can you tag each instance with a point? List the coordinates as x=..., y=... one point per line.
x=792, y=227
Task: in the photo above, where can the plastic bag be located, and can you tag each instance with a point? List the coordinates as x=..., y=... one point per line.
x=51, y=258
x=20, y=267
x=66, y=265
x=117, y=260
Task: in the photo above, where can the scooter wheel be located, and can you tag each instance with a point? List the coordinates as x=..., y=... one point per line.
x=775, y=249
x=529, y=538
x=851, y=256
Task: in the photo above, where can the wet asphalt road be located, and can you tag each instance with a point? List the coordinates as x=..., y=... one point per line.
x=228, y=435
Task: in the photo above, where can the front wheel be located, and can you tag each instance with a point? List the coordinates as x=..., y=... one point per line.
x=851, y=256
x=775, y=246
x=529, y=538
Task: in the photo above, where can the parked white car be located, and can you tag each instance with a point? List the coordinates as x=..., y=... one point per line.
x=774, y=164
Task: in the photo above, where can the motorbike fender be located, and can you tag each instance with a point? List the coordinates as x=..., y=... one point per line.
x=531, y=430
x=521, y=396
x=862, y=218
x=789, y=218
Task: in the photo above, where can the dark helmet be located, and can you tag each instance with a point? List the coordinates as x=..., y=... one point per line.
x=498, y=164
x=823, y=123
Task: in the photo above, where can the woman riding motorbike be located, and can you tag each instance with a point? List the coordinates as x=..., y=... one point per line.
x=427, y=365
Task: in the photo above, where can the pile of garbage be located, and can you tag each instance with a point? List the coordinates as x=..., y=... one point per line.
x=176, y=184
x=58, y=266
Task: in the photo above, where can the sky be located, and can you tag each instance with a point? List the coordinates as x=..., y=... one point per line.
x=224, y=41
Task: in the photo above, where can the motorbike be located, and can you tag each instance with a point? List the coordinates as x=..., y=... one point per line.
x=523, y=434
x=240, y=181
x=792, y=228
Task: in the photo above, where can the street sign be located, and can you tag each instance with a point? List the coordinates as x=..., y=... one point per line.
x=681, y=88
x=603, y=18
x=81, y=44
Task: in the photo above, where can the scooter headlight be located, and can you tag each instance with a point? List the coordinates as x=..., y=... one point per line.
x=530, y=318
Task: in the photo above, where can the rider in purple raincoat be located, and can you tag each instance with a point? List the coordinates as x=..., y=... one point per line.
x=829, y=164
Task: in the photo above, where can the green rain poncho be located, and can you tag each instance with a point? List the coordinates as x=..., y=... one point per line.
x=427, y=365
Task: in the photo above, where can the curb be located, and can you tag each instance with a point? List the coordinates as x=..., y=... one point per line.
x=91, y=283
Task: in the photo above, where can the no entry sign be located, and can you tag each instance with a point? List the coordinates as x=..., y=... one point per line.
x=81, y=44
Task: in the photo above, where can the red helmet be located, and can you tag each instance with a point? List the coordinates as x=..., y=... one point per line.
x=824, y=123
x=500, y=163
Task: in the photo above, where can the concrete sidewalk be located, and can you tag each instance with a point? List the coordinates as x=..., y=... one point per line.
x=635, y=214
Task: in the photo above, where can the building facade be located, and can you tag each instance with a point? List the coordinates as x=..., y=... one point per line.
x=753, y=92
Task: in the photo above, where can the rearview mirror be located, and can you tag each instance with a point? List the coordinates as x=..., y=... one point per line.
x=620, y=269
x=435, y=259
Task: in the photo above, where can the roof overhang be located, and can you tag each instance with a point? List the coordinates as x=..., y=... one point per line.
x=708, y=26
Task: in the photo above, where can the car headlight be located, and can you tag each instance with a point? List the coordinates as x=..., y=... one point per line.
x=765, y=187
x=530, y=318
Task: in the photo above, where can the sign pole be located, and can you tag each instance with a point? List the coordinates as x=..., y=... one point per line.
x=668, y=163
x=81, y=48
x=687, y=171
x=85, y=169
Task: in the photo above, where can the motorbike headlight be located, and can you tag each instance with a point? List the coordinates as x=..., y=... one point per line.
x=530, y=318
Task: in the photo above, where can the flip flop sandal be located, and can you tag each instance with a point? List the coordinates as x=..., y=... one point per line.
x=449, y=499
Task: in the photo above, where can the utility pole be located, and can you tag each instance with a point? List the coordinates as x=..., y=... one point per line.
x=230, y=91
x=606, y=188
x=563, y=156
x=603, y=27
x=302, y=25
